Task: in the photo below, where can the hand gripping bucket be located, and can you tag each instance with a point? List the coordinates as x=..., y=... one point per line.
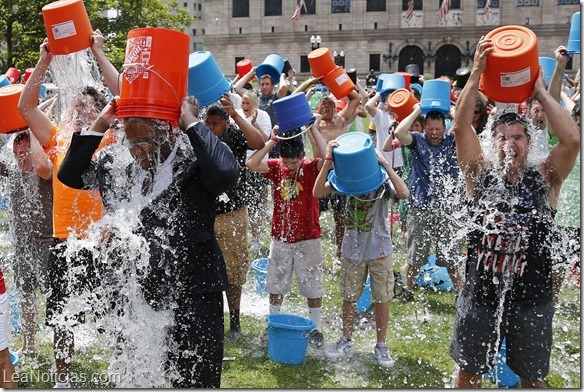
x=547, y=64
x=512, y=67
x=339, y=83
x=574, y=37
x=501, y=373
x=288, y=338
x=154, y=80
x=357, y=170
x=12, y=74
x=67, y=25
x=10, y=118
x=293, y=112
x=321, y=62
x=435, y=96
x=260, y=268
x=273, y=65
x=364, y=301
x=401, y=102
x=206, y=81
x=243, y=67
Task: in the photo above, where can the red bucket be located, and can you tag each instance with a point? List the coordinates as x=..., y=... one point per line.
x=10, y=118
x=321, y=62
x=243, y=67
x=12, y=74
x=67, y=25
x=27, y=74
x=155, y=76
x=338, y=82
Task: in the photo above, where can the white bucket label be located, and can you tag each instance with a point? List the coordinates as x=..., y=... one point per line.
x=514, y=79
x=436, y=103
x=64, y=29
x=137, y=61
x=341, y=79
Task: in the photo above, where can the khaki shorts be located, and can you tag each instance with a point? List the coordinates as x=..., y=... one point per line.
x=353, y=277
x=304, y=258
x=231, y=233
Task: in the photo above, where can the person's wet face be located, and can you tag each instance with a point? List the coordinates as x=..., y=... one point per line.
x=216, y=124
x=246, y=106
x=22, y=154
x=434, y=131
x=537, y=114
x=512, y=144
x=326, y=108
x=293, y=164
x=266, y=86
x=144, y=140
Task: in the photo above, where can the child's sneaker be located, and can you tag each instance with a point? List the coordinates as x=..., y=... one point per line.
x=383, y=355
x=316, y=339
x=342, y=349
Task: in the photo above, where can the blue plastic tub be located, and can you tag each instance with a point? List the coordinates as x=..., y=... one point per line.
x=14, y=359
x=502, y=373
x=293, y=112
x=435, y=96
x=574, y=37
x=548, y=64
x=433, y=276
x=260, y=267
x=272, y=65
x=4, y=81
x=206, y=81
x=288, y=338
x=364, y=301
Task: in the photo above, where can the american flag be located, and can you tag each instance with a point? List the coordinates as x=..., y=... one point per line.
x=487, y=7
x=444, y=8
x=299, y=6
x=410, y=13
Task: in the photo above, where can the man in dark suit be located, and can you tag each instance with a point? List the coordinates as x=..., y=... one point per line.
x=174, y=178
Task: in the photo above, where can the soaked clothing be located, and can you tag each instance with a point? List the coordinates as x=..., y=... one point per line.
x=235, y=198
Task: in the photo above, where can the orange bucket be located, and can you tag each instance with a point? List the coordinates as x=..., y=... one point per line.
x=155, y=77
x=339, y=82
x=67, y=25
x=321, y=62
x=401, y=103
x=513, y=65
x=243, y=67
x=10, y=118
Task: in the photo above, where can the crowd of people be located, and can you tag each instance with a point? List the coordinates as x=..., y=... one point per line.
x=490, y=189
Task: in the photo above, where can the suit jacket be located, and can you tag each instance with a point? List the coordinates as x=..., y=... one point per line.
x=178, y=224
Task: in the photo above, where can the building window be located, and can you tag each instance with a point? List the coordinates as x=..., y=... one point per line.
x=527, y=3
x=194, y=32
x=310, y=6
x=240, y=8
x=340, y=6
x=454, y=4
x=273, y=8
x=203, y=32
x=568, y=2
x=375, y=62
x=199, y=6
x=481, y=4
x=417, y=5
x=375, y=6
x=185, y=4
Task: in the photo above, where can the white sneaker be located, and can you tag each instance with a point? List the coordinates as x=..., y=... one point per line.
x=383, y=355
x=342, y=349
x=66, y=384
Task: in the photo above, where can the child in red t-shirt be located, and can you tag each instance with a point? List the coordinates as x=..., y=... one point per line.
x=296, y=246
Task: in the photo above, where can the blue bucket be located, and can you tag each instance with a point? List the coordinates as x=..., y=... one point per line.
x=435, y=96
x=357, y=170
x=272, y=65
x=4, y=81
x=260, y=267
x=293, y=112
x=379, y=84
x=288, y=338
x=501, y=372
x=574, y=37
x=434, y=277
x=390, y=83
x=206, y=81
x=14, y=358
x=14, y=304
x=548, y=64
x=364, y=301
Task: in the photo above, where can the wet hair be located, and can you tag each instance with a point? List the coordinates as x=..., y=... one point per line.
x=252, y=97
x=575, y=111
x=436, y=115
x=291, y=148
x=217, y=111
x=21, y=137
x=266, y=76
x=484, y=115
x=509, y=118
x=98, y=97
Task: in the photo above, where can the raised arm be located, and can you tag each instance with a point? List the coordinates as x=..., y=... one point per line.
x=38, y=122
x=349, y=112
x=402, y=131
x=110, y=74
x=283, y=86
x=238, y=87
x=371, y=105
x=318, y=142
x=321, y=186
x=40, y=161
x=307, y=83
x=254, y=137
x=401, y=189
x=255, y=163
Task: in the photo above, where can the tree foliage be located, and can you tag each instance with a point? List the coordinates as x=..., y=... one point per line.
x=22, y=28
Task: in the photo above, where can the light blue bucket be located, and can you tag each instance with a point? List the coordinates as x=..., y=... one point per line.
x=14, y=358
x=574, y=37
x=390, y=83
x=357, y=170
x=4, y=81
x=288, y=338
x=260, y=268
x=293, y=112
x=380, y=79
x=206, y=81
x=364, y=301
x=435, y=96
x=502, y=373
x=272, y=65
x=434, y=277
x=548, y=64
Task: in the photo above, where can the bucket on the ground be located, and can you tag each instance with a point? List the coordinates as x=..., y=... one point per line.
x=12, y=74
x=357, y=170
x=10, y=118
x=243, y=67
x=321, y=62
x=14, y=358
x=67, y=25
x=401, y=102
x=433, y=276
x=154, y=81
x=547, y=64
x=260, y=268
x=574, y=37
x=435, y=96
x=364, y=301
x=512, y=67
x=4, y=81
x=272, y=65
x=338, y=82
x=293, y=112
x=501, y=372
x=288, y=338
x=206, y=81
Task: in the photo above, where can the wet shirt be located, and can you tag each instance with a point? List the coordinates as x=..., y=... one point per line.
x=296, y=215
x=434, y=175
x=510, y=240
x=235, y=198
x=367, y=234
x=569, y=199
